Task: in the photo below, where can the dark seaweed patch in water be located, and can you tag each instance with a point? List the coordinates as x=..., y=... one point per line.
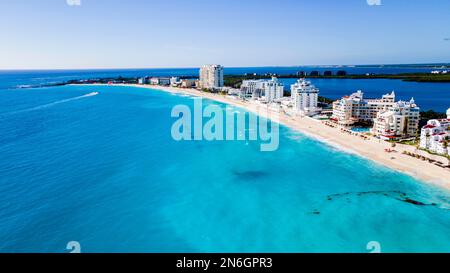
x=315, y=212
x=397, y=195
x=250, y=175
x=414, y=202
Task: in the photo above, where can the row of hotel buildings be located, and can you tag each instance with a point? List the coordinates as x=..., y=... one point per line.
x=390, y=119
x=393, y=120
x=211, y=77
x=172, y=81
x=303, y=100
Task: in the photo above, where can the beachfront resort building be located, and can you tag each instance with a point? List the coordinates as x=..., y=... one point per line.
x=143, y=80
x=164, y=81
x=175, y=81
x=264, y=90
x=211, y=76
x=435, y=136
x=154, y=81
x=399, y=121
x=305, y=98
x=355, y=108
x=274, y=90
x=252, y=89
x=160, y=81
x=187, y=83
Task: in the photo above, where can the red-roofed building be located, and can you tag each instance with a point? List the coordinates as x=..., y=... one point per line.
x=435, y=136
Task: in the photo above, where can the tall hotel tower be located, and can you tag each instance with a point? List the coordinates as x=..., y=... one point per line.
x=305, y=98
x=211, y=76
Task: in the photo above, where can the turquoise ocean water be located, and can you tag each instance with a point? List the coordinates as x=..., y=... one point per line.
x=103, y=170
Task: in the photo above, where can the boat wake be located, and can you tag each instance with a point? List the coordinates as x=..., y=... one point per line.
x=50, y=104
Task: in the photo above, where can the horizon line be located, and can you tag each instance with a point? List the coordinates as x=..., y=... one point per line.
x=198, y=67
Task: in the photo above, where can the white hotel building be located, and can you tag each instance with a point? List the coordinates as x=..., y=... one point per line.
x=355, y=108
x=435, y=136
x=264, y=90
x=399, y=121
x=211, y=76
x=305, y=98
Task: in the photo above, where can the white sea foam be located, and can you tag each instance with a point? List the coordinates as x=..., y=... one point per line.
x=295, y=137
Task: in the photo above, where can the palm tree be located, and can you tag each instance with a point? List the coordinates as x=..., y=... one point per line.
x=405, y=127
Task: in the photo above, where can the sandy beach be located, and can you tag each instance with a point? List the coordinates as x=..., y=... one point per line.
x=372, y=148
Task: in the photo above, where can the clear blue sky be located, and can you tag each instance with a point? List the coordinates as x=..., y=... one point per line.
x=182, y=33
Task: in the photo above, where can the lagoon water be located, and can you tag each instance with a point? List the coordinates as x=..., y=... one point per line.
x=429, y=96
x=103, y=170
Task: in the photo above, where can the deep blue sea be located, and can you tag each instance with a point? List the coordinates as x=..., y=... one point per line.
x=104, y=170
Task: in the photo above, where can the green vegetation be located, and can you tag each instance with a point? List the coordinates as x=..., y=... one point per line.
x=363, y=124
x=433, y=153
x=414, y=142
x=432, y=115
x=235, y=81
x=325, y=100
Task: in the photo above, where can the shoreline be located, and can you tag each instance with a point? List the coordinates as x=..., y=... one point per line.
x=371, y=149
